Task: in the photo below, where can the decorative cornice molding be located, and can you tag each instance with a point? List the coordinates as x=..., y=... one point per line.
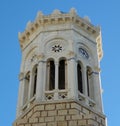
x=58, y=17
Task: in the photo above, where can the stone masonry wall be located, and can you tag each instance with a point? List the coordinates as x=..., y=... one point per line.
x=60, y=114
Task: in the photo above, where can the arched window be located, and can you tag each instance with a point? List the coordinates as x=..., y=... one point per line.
x=62, y=74
x=34, y=81
x=50, y=75
x=26, y=87
x=79, y=78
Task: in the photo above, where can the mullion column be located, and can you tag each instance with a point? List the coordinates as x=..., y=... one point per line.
x=97, y=91
x=39, y=87
x=72, y=79
x=85, y=84
x=56, y=79
x=20, y=97
x=30, y=91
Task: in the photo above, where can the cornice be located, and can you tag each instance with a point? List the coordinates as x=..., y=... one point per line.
x=58, y=17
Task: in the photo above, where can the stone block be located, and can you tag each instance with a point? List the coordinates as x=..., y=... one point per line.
x=62, y=123
x=76, y=117
x=44, y=113
x=50, y=107
x=41, y=119
x=67, y=105
x=85, y=111
x=49, y=119
x=39, y=124
x=27, y=124
x=60, y=118
x=90, y=116
x=82, y=122
x=22, y=121
x=60, y=106
x=92, y=122
x=29, y=114
x=33, y=120
x=39, y=108
x=72, y=123
x=68, y=117
x=76, y=106
x=36, y=114
x=51, y=124
x=62, y=112
x=52, y=113
x=73, y=112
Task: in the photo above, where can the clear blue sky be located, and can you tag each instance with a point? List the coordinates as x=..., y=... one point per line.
x=14, y=14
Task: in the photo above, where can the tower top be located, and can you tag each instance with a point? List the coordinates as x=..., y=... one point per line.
x=57, y=17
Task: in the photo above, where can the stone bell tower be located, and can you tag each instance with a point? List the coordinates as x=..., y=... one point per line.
x=60, y=72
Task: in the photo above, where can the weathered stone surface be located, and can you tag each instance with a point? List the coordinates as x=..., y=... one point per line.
x=66, y=114
x=62, y=112
x=50, y=107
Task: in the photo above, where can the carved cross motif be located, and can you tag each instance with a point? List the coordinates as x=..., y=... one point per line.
x=57, y=48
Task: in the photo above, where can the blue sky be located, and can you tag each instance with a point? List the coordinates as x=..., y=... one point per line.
x=14, y=15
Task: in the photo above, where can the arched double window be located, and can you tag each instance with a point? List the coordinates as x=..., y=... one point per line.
x=26, y=87
x=50, y=75
x=79, y=78
x=62, y=78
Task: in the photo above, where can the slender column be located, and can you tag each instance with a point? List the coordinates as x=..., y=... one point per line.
x=85, y=83
x=30, y=86
x=56, y=80
x=97, y=91
x=44, y=75
x=20, y=96
x=72, y=79
x=39, y=87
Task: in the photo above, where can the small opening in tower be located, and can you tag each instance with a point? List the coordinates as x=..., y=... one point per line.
x=52, y=75
x=88, y=81
x=35, y=81
x=79, y=74
x=61, y=74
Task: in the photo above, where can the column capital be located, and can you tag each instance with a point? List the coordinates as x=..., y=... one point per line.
x=56, y=63
x=21, y=76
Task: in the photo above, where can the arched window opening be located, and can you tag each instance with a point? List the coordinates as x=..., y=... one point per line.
x=50, y=75
x=62, y=72
x=79, y=75
x=35, y=81
x=26, y=87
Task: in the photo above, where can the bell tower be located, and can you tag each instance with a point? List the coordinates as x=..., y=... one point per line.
x=60, y=72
